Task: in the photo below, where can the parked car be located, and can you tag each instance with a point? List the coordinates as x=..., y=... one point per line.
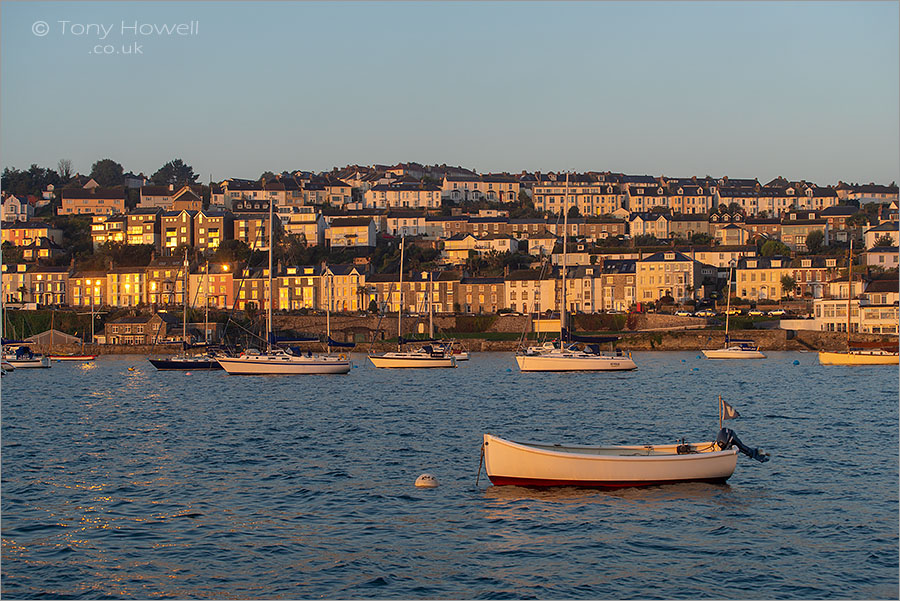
x=705, y=313
x=683, y=313
x=776, y=312
x=756, y=312
x=733, y=312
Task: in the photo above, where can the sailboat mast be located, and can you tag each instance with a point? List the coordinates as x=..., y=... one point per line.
x=728, y=300
x=328, y=312
x=206, y=304
x=849, y=289
x=430, y=308
x=400, y=311
x=562, y=312
x=184, y=295
x=269, y=317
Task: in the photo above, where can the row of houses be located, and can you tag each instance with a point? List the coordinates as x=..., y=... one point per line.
x=613, y=282
x=412, y=186
x=458, y=236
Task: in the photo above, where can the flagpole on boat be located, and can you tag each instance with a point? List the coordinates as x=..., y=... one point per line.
x=720, y=412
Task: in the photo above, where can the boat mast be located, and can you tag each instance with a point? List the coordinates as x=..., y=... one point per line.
x=849, y=288
x=562, y=312
x=269, y=316
x=184, y=295
x=728, y=299
x=430, y=308
x=400, y=311
x=328, y=312
x=206, y=304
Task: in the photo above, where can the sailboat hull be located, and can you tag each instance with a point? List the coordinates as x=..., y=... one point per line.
x=183, y=364
x=411, y=360
x=574, y=362
x=863, y=357
x=284, y=364
x=733, y=353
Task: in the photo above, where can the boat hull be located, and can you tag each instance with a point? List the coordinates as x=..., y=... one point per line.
x=37, y=362
x=411, y=361
x=574, y=363
x=858, y=358
x=527, y=464
x=292, y=365
x=72, y=357
x=729, y=353
x=177, y=364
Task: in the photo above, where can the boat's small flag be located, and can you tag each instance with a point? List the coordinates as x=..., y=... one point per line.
x=729, y=412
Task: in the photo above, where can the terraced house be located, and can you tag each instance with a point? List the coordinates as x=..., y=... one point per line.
x=92, y=201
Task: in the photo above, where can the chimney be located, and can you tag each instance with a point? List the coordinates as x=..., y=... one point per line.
x=171, y=187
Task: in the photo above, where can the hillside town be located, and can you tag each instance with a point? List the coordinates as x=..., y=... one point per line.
x=480, y=243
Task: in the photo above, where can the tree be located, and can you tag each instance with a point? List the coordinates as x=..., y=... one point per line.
x=701, y=239
x=814, y=241
x=859, y=219
x=788, y=284
x=885, y=241
x=64, y=169
x=772, y=248
x=107, y=172
x=176, y=173
x=267, y=175
x=574, y=211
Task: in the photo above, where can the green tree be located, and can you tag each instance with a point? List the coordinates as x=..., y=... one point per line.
x=859, y=219
x=176, y=173
x=773, y=248
x=701, y=239
x=788, y=284
x=884, y=241
x=107, y=172
x=574, y=211
x=814, y=241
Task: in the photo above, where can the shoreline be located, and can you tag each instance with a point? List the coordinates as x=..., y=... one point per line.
x=655, y=340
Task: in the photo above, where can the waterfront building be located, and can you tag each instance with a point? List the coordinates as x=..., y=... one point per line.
x=16, y=208
x=144, y=226
x=890, y=229
x=618, y=290
x=87, y=288
x=882, y=256
x=305, y=223
x=212, y=227
x=649, y=224
x=49, y=285
x=164, y=279
x=93, y=201
x=16, y=283
x=177, y=230
x=42, y=248
x=144, y=329
x=111, y=228
x=403, y=195
x=351, y=231
x=25, y=233
x=343, y=288
x=481, y=295
x=253, y=229
x=299, y=288
x=127, y=286
x=796, y=227
x=667, y=273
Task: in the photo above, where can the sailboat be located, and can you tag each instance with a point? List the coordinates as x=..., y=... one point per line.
x=277, y=360
x=185, y=361
x=567, y=355
x=859, y=353
x=733, y=348
x=425, y=356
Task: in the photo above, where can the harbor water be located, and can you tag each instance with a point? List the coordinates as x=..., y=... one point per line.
x=119, y=482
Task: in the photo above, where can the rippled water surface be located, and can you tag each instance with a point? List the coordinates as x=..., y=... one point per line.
x=120, y=483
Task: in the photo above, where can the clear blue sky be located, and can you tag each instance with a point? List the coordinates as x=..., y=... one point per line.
x=806, y=90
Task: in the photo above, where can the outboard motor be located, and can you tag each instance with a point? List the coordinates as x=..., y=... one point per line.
x=726, y=438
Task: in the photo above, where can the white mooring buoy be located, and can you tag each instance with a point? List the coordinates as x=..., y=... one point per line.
x=426, y=481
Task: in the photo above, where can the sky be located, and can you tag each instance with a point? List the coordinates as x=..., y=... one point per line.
x=803, y=90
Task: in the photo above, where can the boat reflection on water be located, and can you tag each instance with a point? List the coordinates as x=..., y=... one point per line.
x=504, y=501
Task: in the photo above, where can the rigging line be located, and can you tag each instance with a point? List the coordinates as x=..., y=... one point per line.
x=240, y=287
